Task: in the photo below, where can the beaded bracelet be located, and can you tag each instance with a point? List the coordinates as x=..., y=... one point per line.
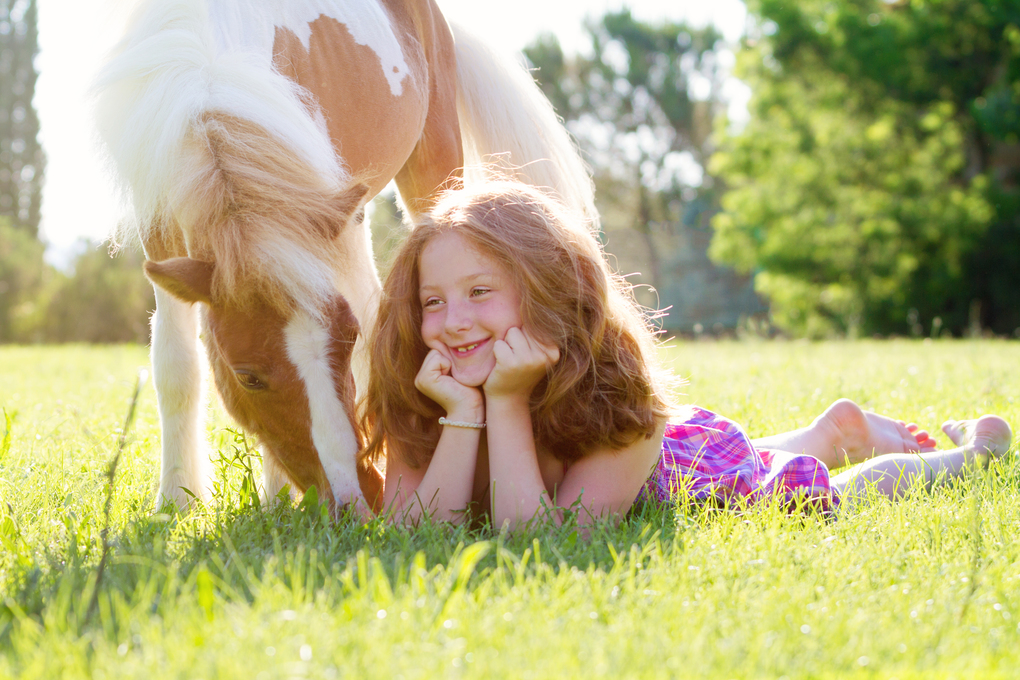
x=460, y=423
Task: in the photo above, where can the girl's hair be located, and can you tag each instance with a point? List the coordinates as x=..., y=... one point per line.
x=605, y=390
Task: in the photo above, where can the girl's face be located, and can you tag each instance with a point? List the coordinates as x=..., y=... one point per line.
x=468, y=303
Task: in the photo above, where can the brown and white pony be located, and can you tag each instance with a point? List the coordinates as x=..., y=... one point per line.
x=247, y=135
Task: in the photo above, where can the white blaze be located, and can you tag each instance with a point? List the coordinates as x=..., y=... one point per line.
x=308, y=349
x=251, y=26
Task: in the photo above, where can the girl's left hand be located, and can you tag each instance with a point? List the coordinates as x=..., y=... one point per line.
x=521, y=362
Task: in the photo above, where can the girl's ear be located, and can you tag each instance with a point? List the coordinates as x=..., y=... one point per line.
x=186, y=279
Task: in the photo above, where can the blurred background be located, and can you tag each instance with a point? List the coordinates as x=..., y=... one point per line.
x=824, y=168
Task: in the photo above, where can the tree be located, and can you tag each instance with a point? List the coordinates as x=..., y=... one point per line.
x=23, y=277
x=642, y=107
x=104, y=299
x=874, y=186
x=21, y=157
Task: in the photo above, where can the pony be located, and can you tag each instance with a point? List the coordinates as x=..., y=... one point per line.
x=246, y=137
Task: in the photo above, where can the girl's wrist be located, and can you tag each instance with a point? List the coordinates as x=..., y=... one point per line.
x=466, y=414
x=510, y=410
x=513, y=400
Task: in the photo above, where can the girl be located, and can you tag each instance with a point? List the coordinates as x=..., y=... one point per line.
x=511, y=369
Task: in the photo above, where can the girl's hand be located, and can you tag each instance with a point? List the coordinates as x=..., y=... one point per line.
x=436, y=383
x=521, y=362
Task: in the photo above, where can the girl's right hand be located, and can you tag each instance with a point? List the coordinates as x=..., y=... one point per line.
x=435, y=382
x=521, y=362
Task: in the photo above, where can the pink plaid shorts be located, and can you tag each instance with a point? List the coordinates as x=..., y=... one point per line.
x=711, y=460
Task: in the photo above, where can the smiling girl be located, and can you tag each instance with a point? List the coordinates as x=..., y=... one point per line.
x=512, y=371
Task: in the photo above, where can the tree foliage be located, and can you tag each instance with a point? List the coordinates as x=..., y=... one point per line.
x=641, y=105
x=104, y=299
x=873, y=185
x=21, y=157
x=23, y=279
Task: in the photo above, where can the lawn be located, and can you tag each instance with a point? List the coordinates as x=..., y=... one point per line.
x=927, y=587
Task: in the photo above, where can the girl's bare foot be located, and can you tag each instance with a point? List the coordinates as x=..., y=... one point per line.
x=924, y=440
x=861, y=434
x=987, y=434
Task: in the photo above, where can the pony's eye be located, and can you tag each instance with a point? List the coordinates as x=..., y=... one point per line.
x=250, y=381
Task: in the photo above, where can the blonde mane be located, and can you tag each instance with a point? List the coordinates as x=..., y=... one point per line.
x=215, y=148
x=268, y=220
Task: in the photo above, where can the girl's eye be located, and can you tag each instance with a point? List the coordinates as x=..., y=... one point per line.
x=479, y=291
x=432, y=302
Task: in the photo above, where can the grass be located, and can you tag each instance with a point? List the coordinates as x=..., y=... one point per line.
x=927, y=587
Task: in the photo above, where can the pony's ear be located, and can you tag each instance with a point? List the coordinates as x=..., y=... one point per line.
x=345, y=204
x=184, y=278
x=349, y=200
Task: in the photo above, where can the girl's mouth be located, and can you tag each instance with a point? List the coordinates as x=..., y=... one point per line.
x=465, y=350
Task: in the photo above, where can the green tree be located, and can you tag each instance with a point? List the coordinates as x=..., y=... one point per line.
x=641, y=106
x=104, y=299
x=23, y=278
x=873, y=186
x=21, y=157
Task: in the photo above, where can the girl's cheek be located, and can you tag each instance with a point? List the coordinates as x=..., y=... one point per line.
x=428, y=328
x=430, y=335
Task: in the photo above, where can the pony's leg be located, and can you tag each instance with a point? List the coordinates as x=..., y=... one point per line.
x=274, y=478
x=177, y=375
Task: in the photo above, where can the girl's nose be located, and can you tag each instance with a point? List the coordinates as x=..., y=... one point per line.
x=458, y=317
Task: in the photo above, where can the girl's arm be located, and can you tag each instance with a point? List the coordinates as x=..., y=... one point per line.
x=606, y=481
x=516, y=489
x=443, y=489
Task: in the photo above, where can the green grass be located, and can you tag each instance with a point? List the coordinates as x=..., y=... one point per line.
x=927, y=587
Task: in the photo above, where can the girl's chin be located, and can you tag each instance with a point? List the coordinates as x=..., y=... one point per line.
x=474, y=376
x=470, y=379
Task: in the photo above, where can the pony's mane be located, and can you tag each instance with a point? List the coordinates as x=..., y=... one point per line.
x=215, y=145
x=245, y=201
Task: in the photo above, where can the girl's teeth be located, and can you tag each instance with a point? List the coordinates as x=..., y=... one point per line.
x=462, y=350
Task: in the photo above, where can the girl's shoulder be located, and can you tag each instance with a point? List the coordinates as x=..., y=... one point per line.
x=611, y=478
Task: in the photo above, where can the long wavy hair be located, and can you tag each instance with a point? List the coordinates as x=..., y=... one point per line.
x=606, y=389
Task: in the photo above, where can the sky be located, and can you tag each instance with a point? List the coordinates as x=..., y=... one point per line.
x=78, y=195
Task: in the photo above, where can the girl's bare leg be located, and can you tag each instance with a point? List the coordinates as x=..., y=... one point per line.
x=893, y=474
x=845, y=434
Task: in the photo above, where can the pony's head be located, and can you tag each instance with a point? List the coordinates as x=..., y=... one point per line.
x=268, y=258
